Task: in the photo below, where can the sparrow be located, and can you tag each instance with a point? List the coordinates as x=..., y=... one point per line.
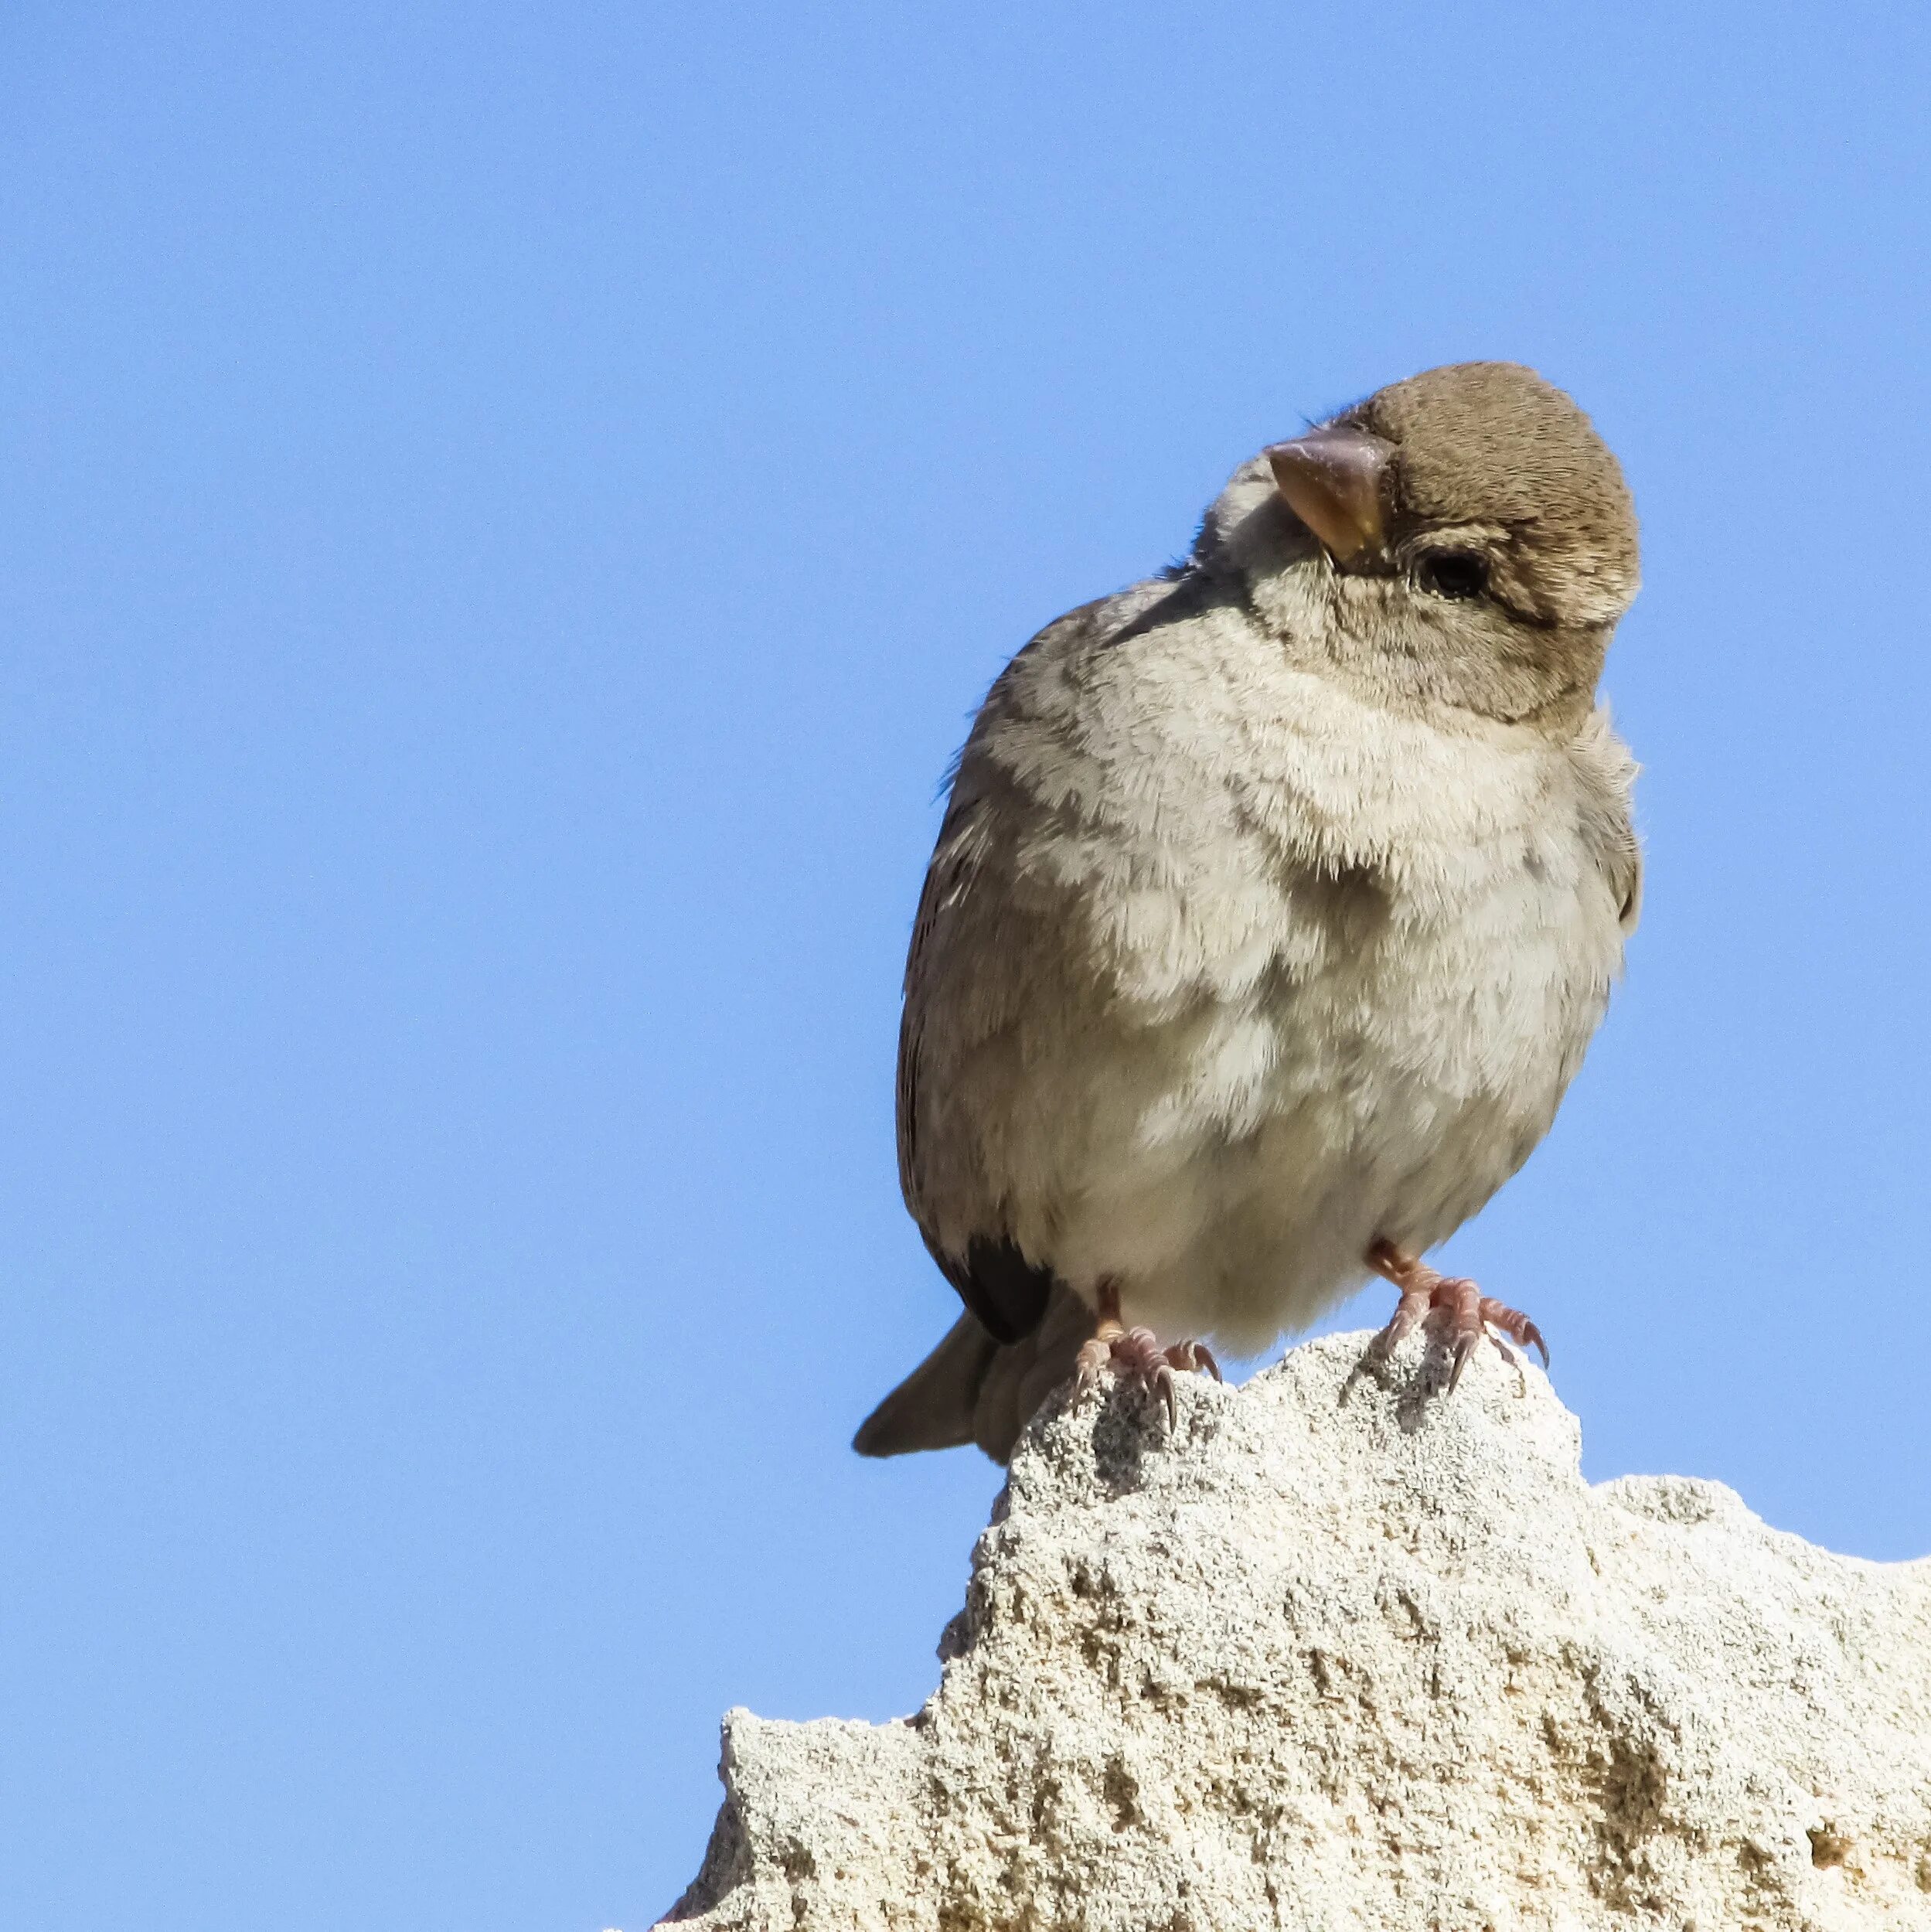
x=1276, y=901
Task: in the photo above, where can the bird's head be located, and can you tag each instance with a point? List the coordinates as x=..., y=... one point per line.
x=1464, y=538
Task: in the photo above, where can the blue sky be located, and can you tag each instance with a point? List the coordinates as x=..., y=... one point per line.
x=508, y=511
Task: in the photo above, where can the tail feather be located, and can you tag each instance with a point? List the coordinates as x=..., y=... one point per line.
x=973, y=1389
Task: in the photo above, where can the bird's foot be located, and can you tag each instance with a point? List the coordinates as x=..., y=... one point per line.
x=1136, y=1356
x=1448, y=1303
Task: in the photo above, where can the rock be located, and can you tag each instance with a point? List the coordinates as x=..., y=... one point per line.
x=1345, y=1651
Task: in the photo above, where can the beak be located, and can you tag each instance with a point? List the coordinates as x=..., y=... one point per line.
x=1332, y=479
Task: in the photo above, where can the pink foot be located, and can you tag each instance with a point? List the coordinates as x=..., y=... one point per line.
x=1455, y=1304
x=1135, y=1354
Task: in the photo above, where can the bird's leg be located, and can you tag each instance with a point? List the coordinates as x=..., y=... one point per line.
x=1468, y=1313
x=1136, y=1353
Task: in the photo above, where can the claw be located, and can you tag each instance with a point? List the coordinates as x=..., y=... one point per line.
x=1414, y=1306
x=1093, y=1358
x=1457, y=1306
x=1516, y=1325
x=1192, y=1355
x=1137, y=1355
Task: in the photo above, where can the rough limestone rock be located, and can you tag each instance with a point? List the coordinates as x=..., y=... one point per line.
x=1346, y=1652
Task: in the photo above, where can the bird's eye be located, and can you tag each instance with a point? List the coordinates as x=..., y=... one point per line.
x=1458, y=573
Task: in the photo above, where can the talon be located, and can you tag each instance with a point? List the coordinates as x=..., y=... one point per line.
x=1412, y=1308
x=1516, y=1325
x=1138, y=1354
x=1135, y=1354
x=1456, y=1308
x=1091, y=1360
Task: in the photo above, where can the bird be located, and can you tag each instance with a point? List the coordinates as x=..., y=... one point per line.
x=1276, y=900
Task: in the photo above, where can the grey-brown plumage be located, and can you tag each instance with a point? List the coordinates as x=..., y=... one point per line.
x=973, y=1389
x=1276, y=901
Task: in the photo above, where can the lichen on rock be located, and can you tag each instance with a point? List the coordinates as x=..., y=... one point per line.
x=1341, y=1651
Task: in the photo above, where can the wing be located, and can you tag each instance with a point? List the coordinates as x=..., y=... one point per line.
x=1608, y=773
x=966, y=986
x=1007, y=1292
x=1626, y=878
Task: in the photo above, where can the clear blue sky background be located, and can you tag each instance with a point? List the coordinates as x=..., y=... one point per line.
x=507, y=511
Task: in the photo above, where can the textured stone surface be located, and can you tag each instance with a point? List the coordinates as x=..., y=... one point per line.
x=1344, y=1652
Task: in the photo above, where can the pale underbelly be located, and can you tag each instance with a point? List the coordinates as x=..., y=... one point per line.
x=1242, y=1240
x=1229, y=1169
